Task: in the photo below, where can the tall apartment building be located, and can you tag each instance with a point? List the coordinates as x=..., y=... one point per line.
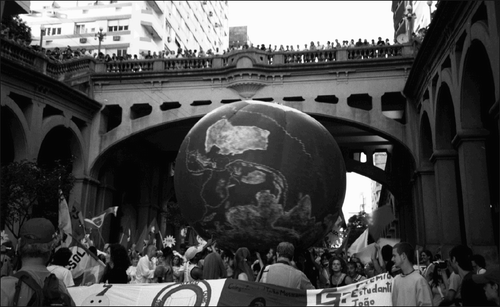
x=379, y=160
x=130, y=26
x=421, y=17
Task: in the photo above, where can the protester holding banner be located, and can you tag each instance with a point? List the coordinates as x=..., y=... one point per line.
x=213, y=266
x=192, y=256
x=337, y=276
x=132, y=269
x=145, y=267
x=242, y=268
x=58, y=267
x=409, y=288
x=116, y=270
x=282, y=273
x=352, y=274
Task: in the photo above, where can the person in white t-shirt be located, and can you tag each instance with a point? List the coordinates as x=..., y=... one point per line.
x=59, y=262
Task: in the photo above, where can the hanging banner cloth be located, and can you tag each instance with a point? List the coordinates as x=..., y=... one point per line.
x=375, y=291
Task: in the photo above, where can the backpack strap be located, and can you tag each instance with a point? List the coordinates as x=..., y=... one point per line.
x=27, y=279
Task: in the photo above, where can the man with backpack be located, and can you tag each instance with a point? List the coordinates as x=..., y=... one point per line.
x=33, y=284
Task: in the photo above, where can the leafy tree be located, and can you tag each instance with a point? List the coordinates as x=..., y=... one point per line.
x=356, y=225
x=30, y=190
x=15, y=28
x=173, y=215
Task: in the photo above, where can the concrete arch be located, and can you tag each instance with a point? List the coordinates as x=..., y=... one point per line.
x=76, y=144
x=445, y=121
x=476, y=84
x=446, y=77
x=425, y=140
x=479, y=32
x=18, y=128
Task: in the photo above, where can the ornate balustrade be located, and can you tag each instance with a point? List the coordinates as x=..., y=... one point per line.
x=66, y=69
x=17, y=52
x=87, y=65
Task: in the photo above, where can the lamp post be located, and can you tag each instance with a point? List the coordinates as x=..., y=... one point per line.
x=42, y=33
x=409, y=17
x=100, y=36
x=429, y=3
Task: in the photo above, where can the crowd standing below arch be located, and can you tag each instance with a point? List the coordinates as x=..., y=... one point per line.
x=462, y=278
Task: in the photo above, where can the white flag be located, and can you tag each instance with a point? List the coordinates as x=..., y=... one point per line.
x=64, y=221
x=360, y=243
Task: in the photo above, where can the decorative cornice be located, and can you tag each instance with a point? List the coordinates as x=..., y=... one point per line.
x=469, y=135
x=247, y=89
x=443, y=154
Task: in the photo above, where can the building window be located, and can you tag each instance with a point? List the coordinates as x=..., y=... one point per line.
x=118, y=25
x=80, y=28
x=121, y=52
x=52, y=31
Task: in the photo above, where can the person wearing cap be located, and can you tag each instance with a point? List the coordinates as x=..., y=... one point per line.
x=213, y=266
x=37, y=240
x=192, y=255
x=145, y=267
x=491, y=282
x=282, y=273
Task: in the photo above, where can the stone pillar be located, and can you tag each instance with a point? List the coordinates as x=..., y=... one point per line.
x=217, y=62
x=447, y=198
x=475, y=192
x=430, y=209
x=341, y=55
x=278, y=58
x=159, y=65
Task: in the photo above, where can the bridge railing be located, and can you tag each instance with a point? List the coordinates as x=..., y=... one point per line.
x=87, y=65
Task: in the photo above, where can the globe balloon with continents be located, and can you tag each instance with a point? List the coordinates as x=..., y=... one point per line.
x=254, y=174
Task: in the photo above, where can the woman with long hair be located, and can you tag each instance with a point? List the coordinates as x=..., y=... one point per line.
x=176, y=266
x=119, y=262
x=438, y=286
x=242, y=268
x=337, y=276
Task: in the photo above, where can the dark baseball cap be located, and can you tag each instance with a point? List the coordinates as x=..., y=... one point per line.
x=491, y=275
x=38, y=230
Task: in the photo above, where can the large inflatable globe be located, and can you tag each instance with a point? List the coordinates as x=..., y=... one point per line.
x=253, y=174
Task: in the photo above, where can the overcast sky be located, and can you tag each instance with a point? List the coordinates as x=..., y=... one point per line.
x=300, y=22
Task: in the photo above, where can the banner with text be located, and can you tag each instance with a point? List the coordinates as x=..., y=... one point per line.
x=375, y=291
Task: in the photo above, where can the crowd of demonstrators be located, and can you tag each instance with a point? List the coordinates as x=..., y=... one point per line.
x=462, y=279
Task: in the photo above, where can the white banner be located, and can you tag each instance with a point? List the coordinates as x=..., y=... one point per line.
x=375, y=291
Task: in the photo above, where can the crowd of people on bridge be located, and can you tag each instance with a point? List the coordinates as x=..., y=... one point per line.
x=68, y=53
x=461, y=279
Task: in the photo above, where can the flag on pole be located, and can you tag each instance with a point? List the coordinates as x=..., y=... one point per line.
x=77, y=222
x=64, y=221
x=97, y=221
x=380, y=218
x=147, y=234
x=360, y=243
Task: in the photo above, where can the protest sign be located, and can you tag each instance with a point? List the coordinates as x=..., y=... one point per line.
x=375, y=291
